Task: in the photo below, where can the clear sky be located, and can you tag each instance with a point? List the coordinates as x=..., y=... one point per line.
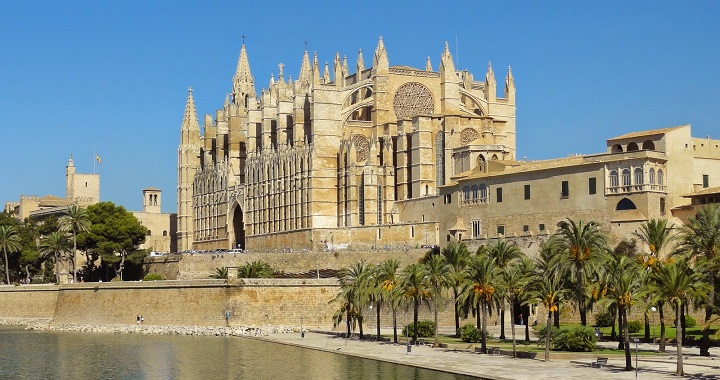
x=111, y=77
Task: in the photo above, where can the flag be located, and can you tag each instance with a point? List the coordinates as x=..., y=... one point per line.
x=97, y=158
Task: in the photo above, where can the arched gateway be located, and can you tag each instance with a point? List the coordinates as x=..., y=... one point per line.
x=238, y=227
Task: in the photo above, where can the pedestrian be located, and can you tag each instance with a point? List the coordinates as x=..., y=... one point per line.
x=522, y=322
x=142, y=320
x=138, y=319
x=227, y=317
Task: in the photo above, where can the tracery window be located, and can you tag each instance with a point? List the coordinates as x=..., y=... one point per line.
x=614, y=178
x=660, y=179
x=440, y=158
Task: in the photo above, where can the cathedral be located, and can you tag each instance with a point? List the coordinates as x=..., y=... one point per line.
x=336, y=160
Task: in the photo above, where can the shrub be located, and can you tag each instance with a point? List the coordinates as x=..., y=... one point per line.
x=690, y=321
x=471, y=334
x=634, y=326
x=153, y=277
x=426, y=329
x=581, y=339
x=606, y=319
x=541, y=334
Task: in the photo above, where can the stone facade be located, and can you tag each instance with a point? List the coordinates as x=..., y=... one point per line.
x=162, y=227
x=335, y=161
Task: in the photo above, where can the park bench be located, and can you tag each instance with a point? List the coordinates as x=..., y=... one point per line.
x=494, y=351
x=599, y=362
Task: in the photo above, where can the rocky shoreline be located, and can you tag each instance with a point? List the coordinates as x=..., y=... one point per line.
x=241, y=330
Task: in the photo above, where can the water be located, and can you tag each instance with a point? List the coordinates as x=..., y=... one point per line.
x=65, y=355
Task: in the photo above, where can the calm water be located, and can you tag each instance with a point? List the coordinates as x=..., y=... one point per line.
x=65, y=355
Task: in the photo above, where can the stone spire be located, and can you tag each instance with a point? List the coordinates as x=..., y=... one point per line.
x=510, y=86
x=428, y=64
x=326, y=73
x=243, y=81
x=360, y=66
x=305, y=70
x=281, y=74
x=190, y=120
x=449, y=82
x=338, y=70
x=490, y=84
x=315, y=70
x=380, y=60
x=345, y=69
x=446, y=61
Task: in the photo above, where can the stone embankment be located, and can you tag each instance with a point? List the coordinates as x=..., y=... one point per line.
x=246, y=330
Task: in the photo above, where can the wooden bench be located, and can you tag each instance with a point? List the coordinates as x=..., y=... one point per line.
x=599, y=363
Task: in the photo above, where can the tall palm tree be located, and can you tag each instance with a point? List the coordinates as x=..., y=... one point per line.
x=437, y=279
x=347, y=310
x=677, y=283
x=56, y=244
x=456, y=256
x=656, y=234
x=547, y=288
x=356, y=277
x=75, y=221
x=479, y=288
x=513, y=283
x=504, y=254
x=9, y=241
x=387, y=276
x=416, y=289
x=583, y=245
x=700, y=239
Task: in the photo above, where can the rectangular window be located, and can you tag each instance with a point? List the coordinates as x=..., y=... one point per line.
x=592, y=184
x=527, y=191
x=476, y=229
x=662, y=206
x=412, y=231
x=565, y=189
x=498, y=195
x=526, y=228
x=541, y=227
x=501, y=230
x=447, y=199
x=706, y=181
x=448, y=238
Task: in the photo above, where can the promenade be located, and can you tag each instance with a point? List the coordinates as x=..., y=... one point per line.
x=502, y=367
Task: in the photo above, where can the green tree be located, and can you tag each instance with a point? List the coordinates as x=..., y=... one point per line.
x=255, y=269
x=513, y=283
x=357, y=279
x=547, y=288
x=456, y=256
x=74, y=221
x=504, y=253
x=387, y=274
x=9, y=241
x=437, y=280
x=677, y=283
x=700, y=240
x=583, y=245
x=415, y=288
x=55, y=244
x=115, y=235
x=479, y=288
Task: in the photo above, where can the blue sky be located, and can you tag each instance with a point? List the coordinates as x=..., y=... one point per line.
x=112, y=77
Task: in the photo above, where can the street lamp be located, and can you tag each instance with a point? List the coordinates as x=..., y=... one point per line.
x=653, y=309
x=636, y=356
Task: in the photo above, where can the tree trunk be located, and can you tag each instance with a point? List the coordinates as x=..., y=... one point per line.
x=122, y=264
x=678, y=336
x=457, y=313
x=705, y=340
x=483, y=332
x=662, y=326
x=394, y=317
x=436, y=316
x=57, y=275
x=647, y=327
x=527, y=331
x=360, y=325
x=547, y=336
x=7, y=266
x=621, y=338
x=74, y=258
x=416, y=306
x=681, y=321
x=502, y=318
x=512, y=325
x=626, y=339
x=347, y=323
x=556, y=315
x=581, y=296
x=478, y=323
x=613, y=333
x=377, y=318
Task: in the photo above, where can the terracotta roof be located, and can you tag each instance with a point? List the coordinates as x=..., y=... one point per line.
x=647, y=133
x=706, y=191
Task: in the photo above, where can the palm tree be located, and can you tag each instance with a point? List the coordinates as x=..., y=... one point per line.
x=348, y=308
x=56, y=244
x=622, y=288
x=456, y=256
x=75, y=220
x=415, y=287
x=9, y=241
x=677, y=283
x=504, y=253
x=255, y=269
x=656, y=234
x=437, y=279
x=583, y=245
x=220, y=273
x=387, y=276
x=700, y=239
x=356, y=277
x=547, y=288
x=479, y=288
x=513, y=282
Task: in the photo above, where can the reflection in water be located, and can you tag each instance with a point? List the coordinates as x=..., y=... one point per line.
x=63, y=355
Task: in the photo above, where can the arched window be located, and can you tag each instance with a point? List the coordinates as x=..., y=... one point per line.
x=614, y=178
x=632, y=146
x=626, y=177
x=617, y=148
x=483, y=193
x=625, y=204
x=648, y=145
x=660, y=179
x=466, y=193
x=474, y=190
x=481, y=163
x=164, y=232
x=149, y=233
x=651, y=176
x=638, y=177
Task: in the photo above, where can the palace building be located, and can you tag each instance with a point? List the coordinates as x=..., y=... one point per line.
x=395, y=156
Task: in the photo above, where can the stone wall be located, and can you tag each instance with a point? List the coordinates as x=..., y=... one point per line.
x=28, y=301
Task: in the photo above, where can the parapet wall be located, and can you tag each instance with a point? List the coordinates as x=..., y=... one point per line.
x=28, y=301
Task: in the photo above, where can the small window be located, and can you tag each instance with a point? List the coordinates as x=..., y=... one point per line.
x=592, y=186
x=706, y=181
x=447, y=199
x=565, y=189
x=412, y=231
x=448, y=238
x=149, y=233
x=526, y=228
x=476, y=229
x=527, y=191
x=541, y=227
x=498, y=194
x=501, y=230
x=662, y=206
x=165, y=233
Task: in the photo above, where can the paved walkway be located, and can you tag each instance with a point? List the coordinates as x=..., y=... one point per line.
x=502, y=367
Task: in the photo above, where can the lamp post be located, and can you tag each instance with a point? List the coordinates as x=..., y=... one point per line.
x=636, y=356
x=653, y=309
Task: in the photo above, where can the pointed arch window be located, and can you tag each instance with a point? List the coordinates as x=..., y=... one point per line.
x=660, y=178
x=614, y=178
x=651, y=176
